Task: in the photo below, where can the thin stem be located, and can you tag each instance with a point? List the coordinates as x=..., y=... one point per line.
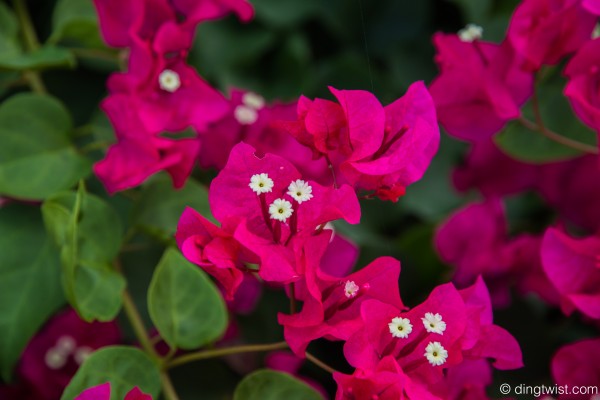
x=213, y=353
x=167, y=386
x=33, y=78
x=31, y=40
x=540, y=127
x=137, y=324
x=96, y=54
x=565, y=141
x=320, y=363
x=335, y=185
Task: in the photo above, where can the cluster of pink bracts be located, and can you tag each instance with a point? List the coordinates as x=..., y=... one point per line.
x=482, y=85
x=288, y=170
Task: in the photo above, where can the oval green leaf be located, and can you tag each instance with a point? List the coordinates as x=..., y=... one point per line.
x=184, y=304
x=124, y=367
x=89, y=233
x=30, y=289
x=271, y=385
x=36, y=156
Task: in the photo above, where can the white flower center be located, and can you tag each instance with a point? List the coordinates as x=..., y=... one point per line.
x=281, y=210
x=300, y=191
x=82, y=353
x=169, y=80
x=253, y=100
x=66, y=344
x=400, y=327
x=245, y=115
x=350, y=289
x=433, y=323
x=470, y=33
x=55, y=359
x=261, y=183
x=435, y=353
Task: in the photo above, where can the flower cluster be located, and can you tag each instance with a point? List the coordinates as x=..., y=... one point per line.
x=482, y=85
x=373, y=148
x=160, y=94
x=274, y=222
x=53, y=356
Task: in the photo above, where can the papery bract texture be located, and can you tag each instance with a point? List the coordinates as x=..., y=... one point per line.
x=480, y=86
x=102, y=392
x=55, y=353
x=575, y=365
x=572, y=266
x=544, y=31
x=251, y=120
x=374, y=148
x=583, y=88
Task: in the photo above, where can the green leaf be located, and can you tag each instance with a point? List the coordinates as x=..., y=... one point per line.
x=30, y=289
x=89, y=233
x=475, y=11
x=44, y=58
x=9, y=28
x=76, y=20
x=531, y=146
x=284, y=13
x=36, y=157
x=160, y=205
x=124, y=367
x=184, y=304
x=272, y=385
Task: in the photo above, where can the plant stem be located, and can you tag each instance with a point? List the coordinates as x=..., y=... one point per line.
x=137, y=324
x=320, y=363
x=96, y=54
x=212, y=353
x=540, y=127
x=31, y=44
x=167, y=386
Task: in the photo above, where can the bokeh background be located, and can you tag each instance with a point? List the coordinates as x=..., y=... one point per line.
x=295, y=47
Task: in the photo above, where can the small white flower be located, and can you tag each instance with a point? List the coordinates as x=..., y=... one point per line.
x=350, y=289
x=253, y=100
x=433, y=323
x=400, y=327
x=436, y=353
x=281, y=210
x=65, y=344
x=470, y=33
x=82, y=353
x=55, y=359
x=169, y=80
x=300, y=190
x=245, y=115
x=261, y=183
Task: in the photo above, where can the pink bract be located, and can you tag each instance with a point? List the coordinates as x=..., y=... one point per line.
x=331, y=306
x=583, y=88
x=544, y=31
x=480, y=86
x=376, y=149
x=475, y=241
x=574, y=365
x=572, y=266
x=251, y=120
x=102, y=392
x=54, y=354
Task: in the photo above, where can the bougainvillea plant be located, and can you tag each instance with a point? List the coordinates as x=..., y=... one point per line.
x=238, y=199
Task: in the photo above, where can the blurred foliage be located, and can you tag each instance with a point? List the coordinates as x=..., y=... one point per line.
x=292, y=47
